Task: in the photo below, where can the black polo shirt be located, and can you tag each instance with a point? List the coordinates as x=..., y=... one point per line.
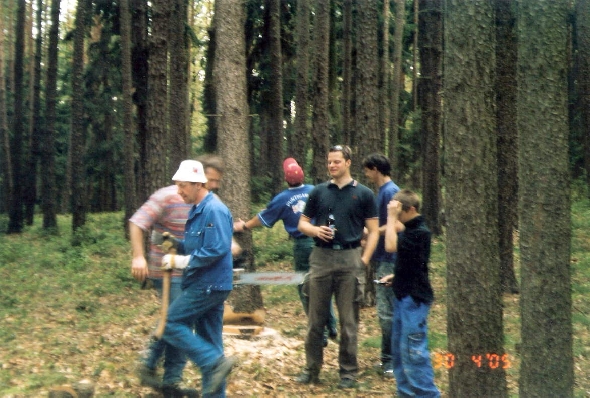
x=351, y=205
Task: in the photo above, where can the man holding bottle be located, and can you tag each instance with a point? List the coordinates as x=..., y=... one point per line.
x=335, y=215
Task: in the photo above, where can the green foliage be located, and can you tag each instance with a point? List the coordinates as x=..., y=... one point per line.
x=261, y=189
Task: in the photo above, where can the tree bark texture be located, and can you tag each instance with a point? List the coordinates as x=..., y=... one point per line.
x=583, y=76
x=320, y=120
x=347, y=102
x=48, y=152
x=157, y=132
x=179, y=136
x=16, y=215
x=139, y=65
x=78, y=135
x=229, y=75
x=474, y=304
x=544, y=200
x=506, y=88
x=7, y=179
x=276, y=130
x=430, y=34
x=301, y=136
x=128, y=121
x=367, y=92
x=396, y=88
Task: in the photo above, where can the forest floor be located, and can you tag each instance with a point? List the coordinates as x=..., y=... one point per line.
x=71, y=314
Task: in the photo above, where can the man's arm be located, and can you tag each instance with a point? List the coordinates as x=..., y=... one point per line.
x=139, y=268
x=392, y=227
x=241, y=225
x=372, y=225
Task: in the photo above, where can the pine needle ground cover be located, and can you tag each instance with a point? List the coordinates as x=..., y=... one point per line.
x=74, y=313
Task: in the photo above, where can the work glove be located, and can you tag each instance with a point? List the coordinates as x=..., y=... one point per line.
x=174, y=261
x=169, y=242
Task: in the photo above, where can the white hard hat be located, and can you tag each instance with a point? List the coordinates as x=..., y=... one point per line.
x=190, y=170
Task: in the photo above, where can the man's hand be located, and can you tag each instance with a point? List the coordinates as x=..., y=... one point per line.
x=139, y=268
x=172, y=261
x=394, y=208
x=169, y=242
x=325, y=233
x=387, y=280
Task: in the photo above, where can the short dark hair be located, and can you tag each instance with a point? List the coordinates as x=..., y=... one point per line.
x=345, y=149
x=378, y=161
x=408, y=199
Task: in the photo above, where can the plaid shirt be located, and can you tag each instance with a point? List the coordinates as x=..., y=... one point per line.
x=164, y=211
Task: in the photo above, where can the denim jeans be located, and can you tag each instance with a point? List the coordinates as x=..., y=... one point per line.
x=302, y=248
x=201, y=309
x=411, y=359
x=384, y=297
x=173, y=365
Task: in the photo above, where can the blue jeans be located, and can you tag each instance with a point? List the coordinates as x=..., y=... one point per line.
x=173, y=365
x=201, y=309
x=384, y=297
x=411, y=359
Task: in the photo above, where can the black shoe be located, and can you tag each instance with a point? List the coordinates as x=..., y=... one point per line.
x=148, y=377
x=178, y=391
x=219, y=373
x=308, y=377
x=388, y=374
x=325, y=340
x=346, y=383
x=332, y=333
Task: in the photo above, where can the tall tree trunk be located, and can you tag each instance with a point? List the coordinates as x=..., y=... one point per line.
x=4, y=135
x=209, y=94
x=140, y=67
x=301, y=136
x=583, y=76
x=15, y=224
x=157, y=132
x=547, y=366
x=128, y=122
x=320, y=120
x=229, y=74
x=78, y=125
x=396, y=87
x=30, y=194
x=430, y=33
x=385, y=76
x=474, y=304
x=507, y=139
x=367, y=92
x=48, y=188
x=347, y=120
x=276, y=129
x=179, y=142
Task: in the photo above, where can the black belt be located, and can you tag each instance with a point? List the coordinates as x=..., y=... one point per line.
x=338, y=246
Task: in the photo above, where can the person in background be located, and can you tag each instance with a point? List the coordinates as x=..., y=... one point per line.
x=340, y=208
x=194, y=324
x=287, y=206
x=413, y=296
x=378, y=171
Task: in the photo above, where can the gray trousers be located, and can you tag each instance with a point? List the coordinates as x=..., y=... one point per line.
x=339, y=273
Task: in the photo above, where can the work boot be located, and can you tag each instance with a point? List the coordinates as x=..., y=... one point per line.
x=332, y=332
x=307, y=377
x=176, y=390
x=148, y=377
x=219, y=373
x=346, y=383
